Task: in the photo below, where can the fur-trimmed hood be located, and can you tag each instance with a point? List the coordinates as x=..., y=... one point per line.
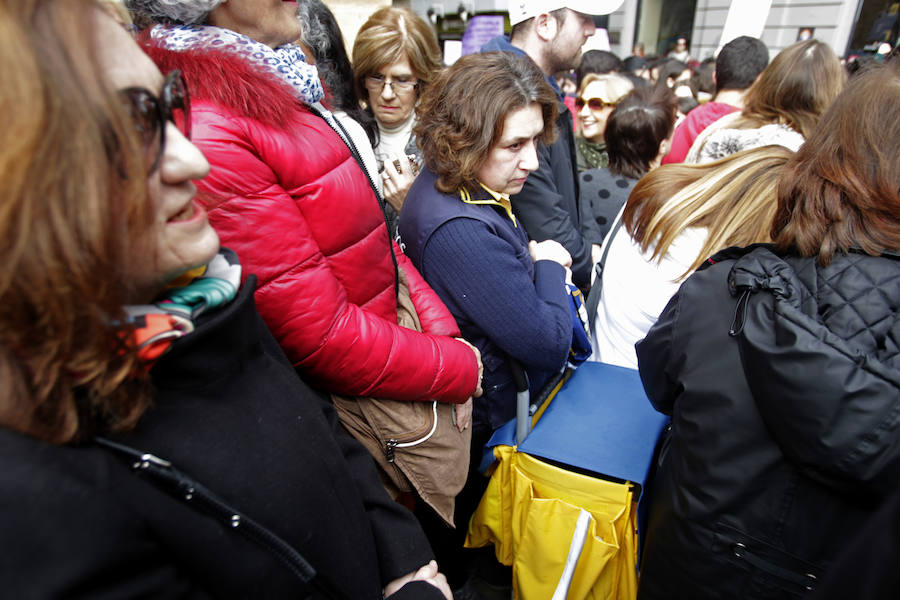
x=226, y=79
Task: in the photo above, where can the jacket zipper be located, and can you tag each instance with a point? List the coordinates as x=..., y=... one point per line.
x=335, y=126
x=807, y=580
x=737, y=324
x=393, y=443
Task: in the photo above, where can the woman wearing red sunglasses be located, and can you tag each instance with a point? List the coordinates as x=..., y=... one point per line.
x=638, y=133
x=595, y=102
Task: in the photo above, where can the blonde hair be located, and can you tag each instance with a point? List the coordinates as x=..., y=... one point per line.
x=615, y=87
x=733, y=198
x=392, y=34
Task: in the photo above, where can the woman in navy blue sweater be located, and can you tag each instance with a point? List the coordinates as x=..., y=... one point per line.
x=478, y=131
x=479, y=126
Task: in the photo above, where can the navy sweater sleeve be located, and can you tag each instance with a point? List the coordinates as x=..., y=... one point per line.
x=481, y=280
x=549, y=209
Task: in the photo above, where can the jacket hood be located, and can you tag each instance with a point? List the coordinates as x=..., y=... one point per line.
x=501, y=43
x=227, y=80
x=820, y=347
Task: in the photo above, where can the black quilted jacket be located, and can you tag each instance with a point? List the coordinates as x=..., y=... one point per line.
x=783, y=381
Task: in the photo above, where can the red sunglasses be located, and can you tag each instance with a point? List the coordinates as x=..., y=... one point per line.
x=595, y=104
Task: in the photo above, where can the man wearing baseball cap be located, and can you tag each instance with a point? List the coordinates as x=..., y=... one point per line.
x=551, y=33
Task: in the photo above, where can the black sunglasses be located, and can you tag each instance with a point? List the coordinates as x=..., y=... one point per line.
x=151, y=113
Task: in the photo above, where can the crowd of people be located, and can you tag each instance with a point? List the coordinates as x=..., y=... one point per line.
x=265, y=300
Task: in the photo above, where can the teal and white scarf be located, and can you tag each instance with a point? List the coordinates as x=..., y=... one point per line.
x=158, y=325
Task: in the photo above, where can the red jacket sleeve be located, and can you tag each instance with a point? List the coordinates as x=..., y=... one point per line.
x=434, y=316
x=693, y=125
x=325, y=276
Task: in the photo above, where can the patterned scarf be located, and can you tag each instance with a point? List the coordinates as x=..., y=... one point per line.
x=172, y=316
x=287, y=62
x=594, y=154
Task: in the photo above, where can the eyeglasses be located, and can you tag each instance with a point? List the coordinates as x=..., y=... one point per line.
x=594, y=104
x=150, y=114
x=376, y=83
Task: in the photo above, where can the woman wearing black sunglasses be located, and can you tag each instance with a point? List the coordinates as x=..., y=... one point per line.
x=154, y=440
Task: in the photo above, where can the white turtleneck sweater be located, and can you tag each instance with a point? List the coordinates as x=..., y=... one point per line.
x=392, y=141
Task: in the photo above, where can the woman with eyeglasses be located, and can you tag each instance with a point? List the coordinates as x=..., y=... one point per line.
x=154, y=440
x=288, y=194
x=395, y=56
x=596, y=99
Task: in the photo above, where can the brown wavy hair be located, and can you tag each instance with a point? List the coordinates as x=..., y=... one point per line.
x=795, y=89
x=842, y=189
x=462, y=115
x=389, y=35
x=72, y=197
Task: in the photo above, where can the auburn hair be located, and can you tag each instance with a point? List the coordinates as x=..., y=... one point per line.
x=842, y=189
x=461, y=116
x=73, y=196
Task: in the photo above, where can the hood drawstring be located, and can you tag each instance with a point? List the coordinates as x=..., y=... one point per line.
x=737, y=324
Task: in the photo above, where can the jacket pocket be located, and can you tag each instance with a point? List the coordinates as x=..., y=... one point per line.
x=773, y=573
x=420, y=435
x=400, y=421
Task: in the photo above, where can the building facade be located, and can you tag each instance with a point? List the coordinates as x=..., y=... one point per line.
x=848, y=26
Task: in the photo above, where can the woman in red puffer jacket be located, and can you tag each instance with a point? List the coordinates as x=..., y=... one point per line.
x=287, y=195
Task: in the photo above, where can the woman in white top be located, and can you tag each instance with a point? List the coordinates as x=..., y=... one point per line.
x=676, y=217
x=395, y=56
x=781, y=107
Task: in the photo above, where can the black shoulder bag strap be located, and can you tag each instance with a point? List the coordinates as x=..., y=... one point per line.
x=165, y=476
x=593, y=299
